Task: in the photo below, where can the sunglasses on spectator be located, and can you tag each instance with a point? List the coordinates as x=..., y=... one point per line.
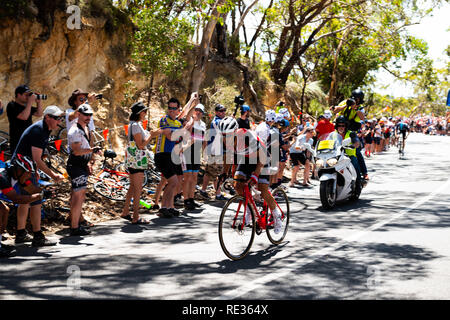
x=56, y=118
x=86, y=115
x=341, y=126
x=175, y=108
x=82, y=99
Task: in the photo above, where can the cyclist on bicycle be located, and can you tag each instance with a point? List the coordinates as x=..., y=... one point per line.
x=251, y=156
x=402, y=127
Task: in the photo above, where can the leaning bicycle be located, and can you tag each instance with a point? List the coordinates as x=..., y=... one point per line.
x=244, y=216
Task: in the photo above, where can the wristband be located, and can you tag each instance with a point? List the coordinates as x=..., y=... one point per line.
x=254, y=178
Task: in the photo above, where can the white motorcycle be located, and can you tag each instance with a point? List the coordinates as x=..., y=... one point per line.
x=337, y=175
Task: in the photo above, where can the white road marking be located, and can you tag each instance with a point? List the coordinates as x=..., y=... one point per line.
x=250, y=286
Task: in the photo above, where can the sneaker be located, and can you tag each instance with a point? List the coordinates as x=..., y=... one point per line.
x=6, y=252
x=174, y=212
x=221, y=197
x=86, y=224
x=278, y=225
x=204, y=194
x=40, y=240
x=164, y=213
x=197, y=205
x=189, y=205
x=80, y=231
x=23, y=238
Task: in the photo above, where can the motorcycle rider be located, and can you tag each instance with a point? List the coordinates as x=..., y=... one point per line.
x=353, y=110
x=342, y=129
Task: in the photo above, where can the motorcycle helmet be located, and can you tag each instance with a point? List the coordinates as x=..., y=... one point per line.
x=358, y=94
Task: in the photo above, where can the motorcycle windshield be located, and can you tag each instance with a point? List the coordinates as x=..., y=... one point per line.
x=329, y=142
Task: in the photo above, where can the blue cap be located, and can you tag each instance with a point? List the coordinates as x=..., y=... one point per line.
x=245, y=108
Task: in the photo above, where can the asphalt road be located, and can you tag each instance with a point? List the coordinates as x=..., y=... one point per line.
x=394, y=243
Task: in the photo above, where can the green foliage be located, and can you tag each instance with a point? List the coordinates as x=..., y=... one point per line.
x=129, y=94
x=223, y=92
x=160, y=41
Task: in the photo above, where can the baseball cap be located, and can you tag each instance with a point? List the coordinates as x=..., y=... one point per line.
x=201, y=107
x=53, y=111
x=22, y=89
x=85, y=109
x=327, y=114
x=220, y=107
x=138, y=107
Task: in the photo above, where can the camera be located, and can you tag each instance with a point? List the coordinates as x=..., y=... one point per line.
x=40, y=96
x=239, y=100
x=98, y=96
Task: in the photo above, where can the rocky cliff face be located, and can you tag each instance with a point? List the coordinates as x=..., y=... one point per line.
x=91, y=58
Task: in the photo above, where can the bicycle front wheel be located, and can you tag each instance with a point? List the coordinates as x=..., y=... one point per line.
x=236, y=235
x=111, y=188
x=283, y=205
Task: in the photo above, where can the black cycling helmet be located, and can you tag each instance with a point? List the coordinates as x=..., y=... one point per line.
x=358, y=94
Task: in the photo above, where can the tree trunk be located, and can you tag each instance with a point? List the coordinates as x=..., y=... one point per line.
x=333, y=85
x=198, y=72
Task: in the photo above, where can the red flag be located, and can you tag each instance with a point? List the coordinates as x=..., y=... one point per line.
x=126, y=129
x=144, y=124
x=2, y=156
x=105, y=133
x=58, y=144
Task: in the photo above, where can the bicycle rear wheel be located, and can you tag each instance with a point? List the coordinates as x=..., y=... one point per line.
x=283, y=205
x=110, y=188
x=235, y=237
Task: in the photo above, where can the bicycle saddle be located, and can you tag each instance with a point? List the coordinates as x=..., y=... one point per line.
x=110, y=154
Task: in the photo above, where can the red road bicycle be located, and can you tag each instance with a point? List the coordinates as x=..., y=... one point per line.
x=244, y=216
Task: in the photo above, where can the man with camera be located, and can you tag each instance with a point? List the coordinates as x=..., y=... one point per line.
x=20, y=112
x=32, y=144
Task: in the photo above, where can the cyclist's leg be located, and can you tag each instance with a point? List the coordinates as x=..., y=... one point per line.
x=263, y=186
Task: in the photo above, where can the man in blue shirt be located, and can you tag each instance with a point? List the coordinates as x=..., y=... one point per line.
x=32, y=144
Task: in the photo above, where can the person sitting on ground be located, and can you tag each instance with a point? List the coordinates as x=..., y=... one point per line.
x=14, y=178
